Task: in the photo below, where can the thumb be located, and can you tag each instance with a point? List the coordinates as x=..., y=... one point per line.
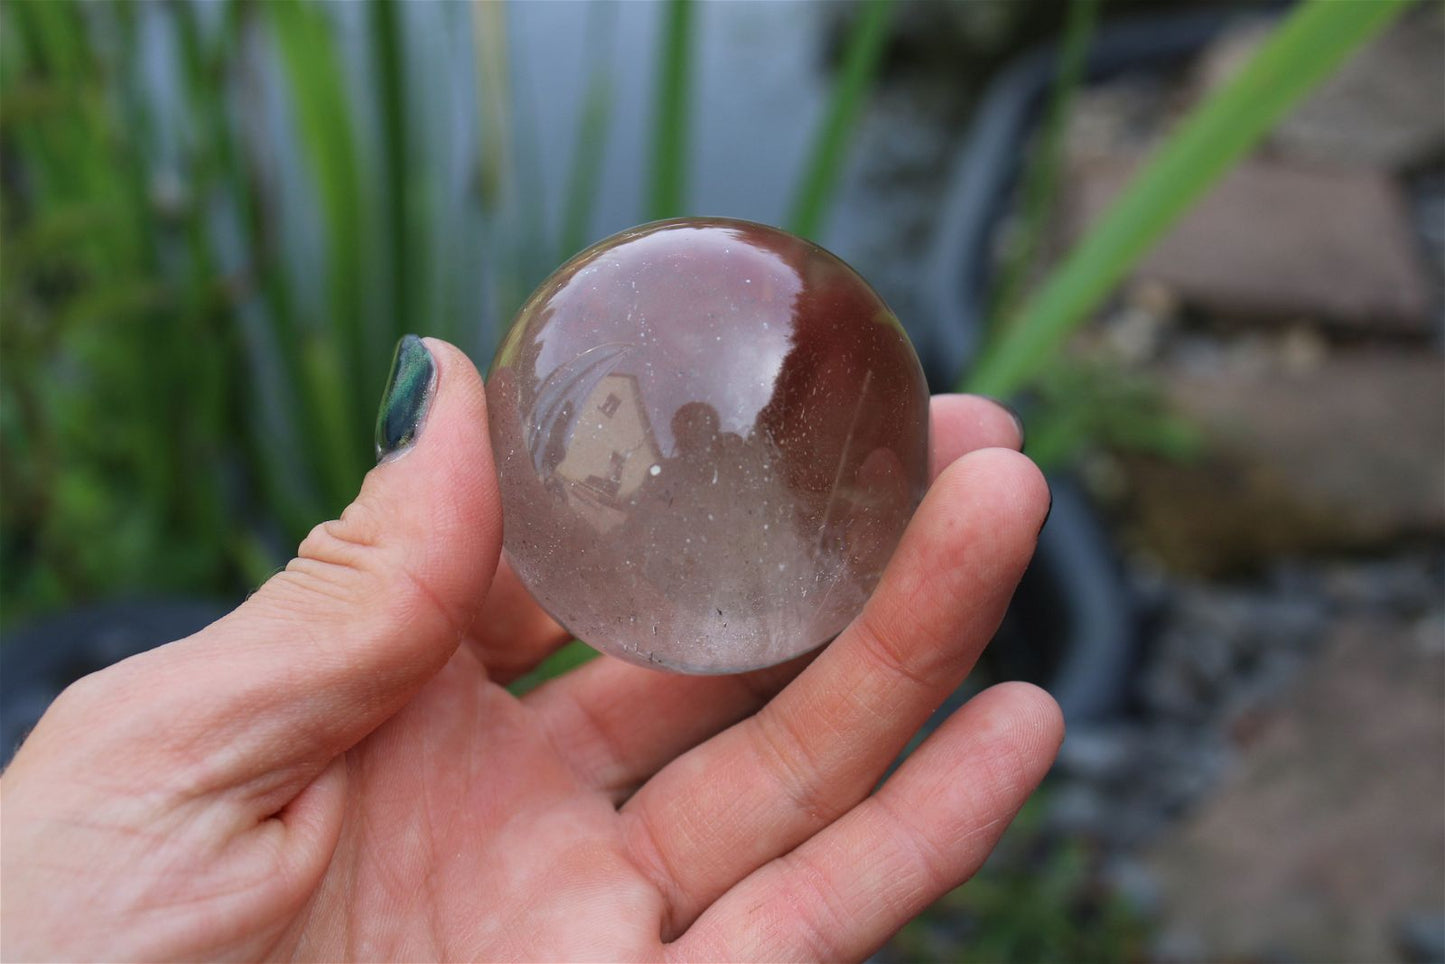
x=373, y=605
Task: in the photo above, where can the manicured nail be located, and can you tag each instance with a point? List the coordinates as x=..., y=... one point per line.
x=1014, y=413
x=407, y=398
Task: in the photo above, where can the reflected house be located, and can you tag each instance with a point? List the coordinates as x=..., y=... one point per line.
x=611, y=451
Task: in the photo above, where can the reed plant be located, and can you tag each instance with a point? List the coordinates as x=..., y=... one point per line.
x=217, y=218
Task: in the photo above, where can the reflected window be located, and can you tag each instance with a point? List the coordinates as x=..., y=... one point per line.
x=613, y=482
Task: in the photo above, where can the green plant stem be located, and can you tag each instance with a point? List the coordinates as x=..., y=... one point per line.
x=586, y=173
x=667, y=188
x=391, y=92
x=813, y=197
x=1041, y=182
x=340, y=354
x=1305, y=49
x=222, y=168
x=498, y=186
x=590, y=145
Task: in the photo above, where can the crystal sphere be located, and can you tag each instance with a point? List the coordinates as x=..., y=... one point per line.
x=709, y=436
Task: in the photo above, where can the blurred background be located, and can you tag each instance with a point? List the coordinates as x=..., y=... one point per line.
x=1199, y=245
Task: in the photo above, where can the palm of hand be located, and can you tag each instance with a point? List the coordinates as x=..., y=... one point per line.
x=433, y=863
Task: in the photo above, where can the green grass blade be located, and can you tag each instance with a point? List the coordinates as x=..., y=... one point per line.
x=494, y=103
x=667, y=189
x=590, y=145
x=1314, y=39
x=586, y=174
x=530, y=241
x=324, y=127
x=564, y=660
x=385, y=31
x=819, y=183
x=321, y=366
x=497, y=192
x=1041, y=181
x=287, y=478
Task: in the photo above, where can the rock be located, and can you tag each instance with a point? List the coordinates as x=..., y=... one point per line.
x=1076, y=810
x=1329, y=830
x=1273, y=243
x=1096, y=752
x=1407, y=584
x=1221, y=651
x=1129, y=114
x=1384, y=108
x=1348, y=456
x=1427, y=208
x=1133, y=881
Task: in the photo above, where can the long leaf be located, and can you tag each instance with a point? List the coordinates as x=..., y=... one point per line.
x=1306, y=48
x=283, y=473
x=323, y=124
x=1046, y=166
x=386, y=42
x=819, y=183
x=586, y=174
x=498, y=193
x=667, y=189
x=591, y=142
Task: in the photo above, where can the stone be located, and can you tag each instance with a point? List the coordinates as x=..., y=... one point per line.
x=709, y=437
x=1098, y=752
x=1129, y=114
x=1347, y=457
x=1275, y=242
x=1329, y=828
x=1383, y=108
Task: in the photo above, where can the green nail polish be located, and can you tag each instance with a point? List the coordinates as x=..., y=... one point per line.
x=407, y=398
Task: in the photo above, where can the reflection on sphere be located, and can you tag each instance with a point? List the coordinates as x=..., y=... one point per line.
x=709, y=436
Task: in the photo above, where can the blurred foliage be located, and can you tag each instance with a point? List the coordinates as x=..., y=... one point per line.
x=1044, y=173
x=667, y=188
x=217, y=219
x=1083, y=402
x=818, y=185
x=214, y=233
x=1309, y=44
x=115, y=401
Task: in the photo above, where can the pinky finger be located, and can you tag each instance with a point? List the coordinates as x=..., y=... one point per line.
x=849, y=888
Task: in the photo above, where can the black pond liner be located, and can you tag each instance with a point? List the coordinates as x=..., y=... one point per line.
x=39, y=660
x=1073, y=625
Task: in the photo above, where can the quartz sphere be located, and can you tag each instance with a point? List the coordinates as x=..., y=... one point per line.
x=709, y=436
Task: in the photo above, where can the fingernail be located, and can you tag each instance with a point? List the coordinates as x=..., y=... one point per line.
x=1014, y=414
x=407, y=398
x=1047, y=512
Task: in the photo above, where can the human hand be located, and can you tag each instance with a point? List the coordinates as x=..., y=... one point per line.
x=336, y=771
